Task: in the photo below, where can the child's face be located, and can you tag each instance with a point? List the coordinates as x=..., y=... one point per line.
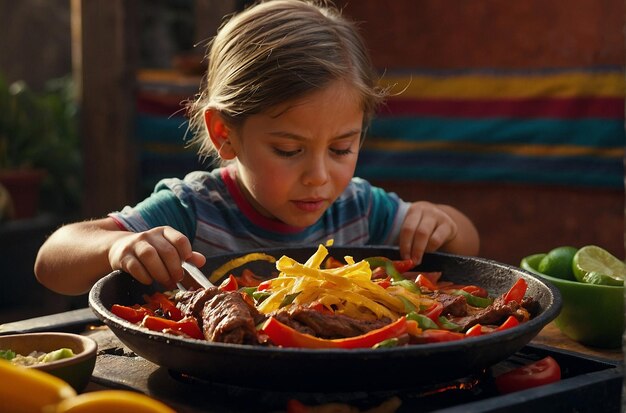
x=294, y=160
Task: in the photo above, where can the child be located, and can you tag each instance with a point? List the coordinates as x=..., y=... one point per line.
x=287, y=98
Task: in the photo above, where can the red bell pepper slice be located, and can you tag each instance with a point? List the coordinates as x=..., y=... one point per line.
x=248, y=279
x=285, y=336
x=476, y=291
x=132, y=314
x=320, y=308
x=379, y=272
x=511, y=321
x=167, y=306
x=438, y=336
x=385, y=282
x=433, y=276
x=425, y=282
x=434, y=311
x=188, y=326
x=229, y=284
x=474, y=331
x=332, y=263
x=517, y=291
x=383, y=266
x=403, y=266
x=265, y=285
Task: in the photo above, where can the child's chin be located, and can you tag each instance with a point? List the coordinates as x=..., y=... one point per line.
x=303, y=220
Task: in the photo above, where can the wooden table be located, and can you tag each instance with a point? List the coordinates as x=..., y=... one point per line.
x=552, y=336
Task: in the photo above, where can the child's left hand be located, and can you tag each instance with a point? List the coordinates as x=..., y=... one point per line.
x=426, y=228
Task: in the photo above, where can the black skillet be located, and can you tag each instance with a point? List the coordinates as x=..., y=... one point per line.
x=337, y=370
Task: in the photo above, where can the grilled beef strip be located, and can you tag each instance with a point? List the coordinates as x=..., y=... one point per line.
x=498, y=312
x=227, y=318
x=330, y=326
x=453, y=305
x=224, y=316
x=192, y=302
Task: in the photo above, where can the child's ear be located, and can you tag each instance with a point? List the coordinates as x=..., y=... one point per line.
x=219, y=134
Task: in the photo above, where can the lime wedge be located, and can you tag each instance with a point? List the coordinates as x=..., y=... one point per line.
x=608, y=269
x=602, y=279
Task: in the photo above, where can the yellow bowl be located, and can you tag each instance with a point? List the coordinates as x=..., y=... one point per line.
x=74, y=370
x=592, y=314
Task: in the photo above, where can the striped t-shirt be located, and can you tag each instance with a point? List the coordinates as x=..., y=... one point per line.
x=211, y=211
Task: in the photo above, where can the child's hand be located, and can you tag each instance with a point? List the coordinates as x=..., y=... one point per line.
x=426, y=228
x=154, y=255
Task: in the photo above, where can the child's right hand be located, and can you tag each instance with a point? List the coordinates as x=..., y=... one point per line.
x=154, y=255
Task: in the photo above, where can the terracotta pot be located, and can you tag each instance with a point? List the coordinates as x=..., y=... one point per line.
x=23, y=186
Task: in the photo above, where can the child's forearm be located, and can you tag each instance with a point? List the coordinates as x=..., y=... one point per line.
x=75, y=256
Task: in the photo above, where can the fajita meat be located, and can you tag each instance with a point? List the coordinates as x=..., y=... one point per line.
x=314, y=322
x=497, y=313
x=453, y=305
x=224, y=316
x=192, y=302
x=227, y=318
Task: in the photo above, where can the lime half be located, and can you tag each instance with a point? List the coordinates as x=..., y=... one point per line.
x=598, y=266
x=601, y=279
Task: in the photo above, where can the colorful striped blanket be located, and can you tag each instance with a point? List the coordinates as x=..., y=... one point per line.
x=552, y=126
x=563, y=127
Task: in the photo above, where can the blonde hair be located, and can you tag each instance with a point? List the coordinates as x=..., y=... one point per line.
x=277, y=51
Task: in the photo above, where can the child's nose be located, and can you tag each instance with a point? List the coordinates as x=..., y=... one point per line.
x=316, y=172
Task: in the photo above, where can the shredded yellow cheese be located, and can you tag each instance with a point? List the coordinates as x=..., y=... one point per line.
x=346, y=290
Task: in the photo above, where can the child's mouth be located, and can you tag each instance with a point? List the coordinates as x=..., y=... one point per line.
x=310, y=205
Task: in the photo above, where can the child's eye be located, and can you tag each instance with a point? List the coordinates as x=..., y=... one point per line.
x=286, y=154
x=342, y=151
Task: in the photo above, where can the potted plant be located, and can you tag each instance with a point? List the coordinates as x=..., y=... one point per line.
x=39, y=147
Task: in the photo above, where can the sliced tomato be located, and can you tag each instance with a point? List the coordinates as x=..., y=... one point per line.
x=229, y=284
x=188, y=326
x=285, y=336
x=544, y=371
x=517, y=291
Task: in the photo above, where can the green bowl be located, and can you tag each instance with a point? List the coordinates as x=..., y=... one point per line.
x=592, y=314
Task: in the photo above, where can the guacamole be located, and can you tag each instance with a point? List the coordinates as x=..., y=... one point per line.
x=36, y=357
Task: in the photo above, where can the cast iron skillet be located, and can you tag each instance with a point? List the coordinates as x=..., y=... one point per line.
x=338, y=370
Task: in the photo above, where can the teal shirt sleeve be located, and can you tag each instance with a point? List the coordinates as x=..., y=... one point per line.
x=162, y=208
x=165, y=208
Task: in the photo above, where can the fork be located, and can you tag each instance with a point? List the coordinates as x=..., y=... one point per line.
x=196, y=274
